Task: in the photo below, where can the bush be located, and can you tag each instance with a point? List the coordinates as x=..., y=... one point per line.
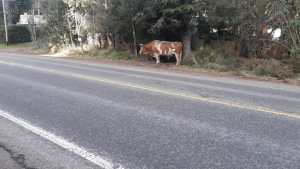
x=217, y=57
x=205, y=55
x=222, y=58
x=2, y=34
x=215, y=66
x=16, y=34
x=107, y=54
x=274, y=68
x=118, y=55
x=296, y=60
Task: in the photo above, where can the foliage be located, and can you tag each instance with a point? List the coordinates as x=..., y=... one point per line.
x=107, y=54
x=1, y=15
x=206, y=27
x=56, y=30
x=16, y=34
x=270, y=68
x=2, y=45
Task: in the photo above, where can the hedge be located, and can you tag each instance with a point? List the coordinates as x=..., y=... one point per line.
x=16, y=34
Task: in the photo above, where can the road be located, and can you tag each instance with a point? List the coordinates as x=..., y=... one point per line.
x=60, y=113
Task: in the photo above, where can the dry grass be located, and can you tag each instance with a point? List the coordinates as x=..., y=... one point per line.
x=223, y=58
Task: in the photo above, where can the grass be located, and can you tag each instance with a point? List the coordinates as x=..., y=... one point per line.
x=103, y=54
x=223, y=59
x=18, y=45
x=21, y=45
x=40, y=50
x=2, y=46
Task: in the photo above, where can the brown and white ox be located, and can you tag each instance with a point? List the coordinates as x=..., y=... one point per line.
x=163, y=48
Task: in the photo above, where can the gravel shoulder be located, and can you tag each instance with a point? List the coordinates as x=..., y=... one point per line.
x=142, y=63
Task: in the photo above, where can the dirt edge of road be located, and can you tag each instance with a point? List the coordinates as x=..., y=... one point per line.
x=185, y=70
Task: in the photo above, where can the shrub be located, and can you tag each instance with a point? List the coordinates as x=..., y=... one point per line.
x=296, y=60
x=2, y=34
x=215, y=66
x=118, y=55
x=217, y=57
x=16, y=34
x=229, y=62
x=274, y=68
x=205, y=55
x=108, y=54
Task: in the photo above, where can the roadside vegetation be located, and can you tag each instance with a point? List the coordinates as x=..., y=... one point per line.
x=244, y=37
x=100, y=54
x=2, y=45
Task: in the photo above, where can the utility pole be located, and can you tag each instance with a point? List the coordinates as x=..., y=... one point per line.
x=5, y=22
x=33, y=26
x=39, y=7
x=106, y=4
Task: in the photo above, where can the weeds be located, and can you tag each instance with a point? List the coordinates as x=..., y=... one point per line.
x=105, y=54
x=222, y=59
x=2, y=46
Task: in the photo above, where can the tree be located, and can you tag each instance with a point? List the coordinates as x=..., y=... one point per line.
x=180, y=18
x=124, y=16
x=56, y=30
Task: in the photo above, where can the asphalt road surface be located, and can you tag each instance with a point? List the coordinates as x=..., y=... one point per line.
x=58, y=113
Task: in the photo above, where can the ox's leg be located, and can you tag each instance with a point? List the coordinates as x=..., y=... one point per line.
x=157, y=57
x=178, y=59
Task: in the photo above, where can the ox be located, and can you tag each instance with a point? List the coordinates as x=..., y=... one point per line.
x=162, y=48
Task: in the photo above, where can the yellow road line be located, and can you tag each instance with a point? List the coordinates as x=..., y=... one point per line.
x=156, y=90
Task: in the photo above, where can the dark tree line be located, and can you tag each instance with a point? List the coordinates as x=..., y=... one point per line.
x=123, y=24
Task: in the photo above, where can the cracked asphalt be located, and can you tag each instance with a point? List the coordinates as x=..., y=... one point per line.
x=21, y=149
x=119, y=113
x=7, y=161
x=12, y=160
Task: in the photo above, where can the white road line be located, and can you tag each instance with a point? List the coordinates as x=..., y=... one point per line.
x=61, y=142
x=157, y=90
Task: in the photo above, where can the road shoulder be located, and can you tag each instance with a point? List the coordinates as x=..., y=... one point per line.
x=141, y=63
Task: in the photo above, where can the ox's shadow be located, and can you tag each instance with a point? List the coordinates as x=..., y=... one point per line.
x=163, y=59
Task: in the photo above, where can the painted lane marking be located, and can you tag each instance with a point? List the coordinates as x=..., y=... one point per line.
x=61, y=142
x=157, y=90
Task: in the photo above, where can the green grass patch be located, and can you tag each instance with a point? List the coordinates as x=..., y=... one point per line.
x=118, y=55
x=18, y=45
x=2, y=46
x=104, y=54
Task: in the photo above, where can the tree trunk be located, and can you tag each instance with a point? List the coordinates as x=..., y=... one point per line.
x=187, y=49
x=114, y=40
x=70, y=31
x=33, y=27
x=109, y=41
x=134, y=39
